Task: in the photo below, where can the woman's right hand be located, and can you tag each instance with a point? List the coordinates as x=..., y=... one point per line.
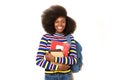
x=63, y=67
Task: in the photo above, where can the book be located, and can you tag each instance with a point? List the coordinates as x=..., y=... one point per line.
x=57, y=53
x=64, y=47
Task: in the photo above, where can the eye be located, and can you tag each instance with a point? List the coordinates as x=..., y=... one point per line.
x=56, y=21
x=63, y=21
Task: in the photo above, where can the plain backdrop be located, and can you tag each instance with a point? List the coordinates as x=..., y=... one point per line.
x=98, y=23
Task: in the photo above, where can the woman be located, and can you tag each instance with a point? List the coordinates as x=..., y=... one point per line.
x=57, y=25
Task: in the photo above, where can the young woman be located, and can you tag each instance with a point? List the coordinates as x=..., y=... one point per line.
x=57, y=25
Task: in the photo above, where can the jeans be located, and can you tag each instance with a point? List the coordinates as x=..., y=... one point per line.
x=59, y=76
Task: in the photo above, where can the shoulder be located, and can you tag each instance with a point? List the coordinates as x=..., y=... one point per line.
x=71, y=36
x=46, y=35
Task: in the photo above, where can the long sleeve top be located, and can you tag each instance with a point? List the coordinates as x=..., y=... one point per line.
x=44, y=47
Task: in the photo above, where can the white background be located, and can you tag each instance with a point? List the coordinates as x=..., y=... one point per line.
x=98, y=23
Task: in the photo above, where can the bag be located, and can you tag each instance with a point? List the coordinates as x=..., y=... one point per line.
x=76, y=67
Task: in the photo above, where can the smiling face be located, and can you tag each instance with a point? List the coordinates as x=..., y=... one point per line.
x=60, y=24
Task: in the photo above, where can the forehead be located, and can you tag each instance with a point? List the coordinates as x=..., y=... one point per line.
x=60, y=18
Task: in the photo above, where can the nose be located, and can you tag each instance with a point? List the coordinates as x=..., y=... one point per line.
x=60, y=23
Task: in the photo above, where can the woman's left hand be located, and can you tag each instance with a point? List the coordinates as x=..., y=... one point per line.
x=49, y=57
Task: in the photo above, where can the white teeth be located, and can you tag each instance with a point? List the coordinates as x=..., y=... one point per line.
x=59, y=27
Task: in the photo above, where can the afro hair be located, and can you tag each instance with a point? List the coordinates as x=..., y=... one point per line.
x=51, y=14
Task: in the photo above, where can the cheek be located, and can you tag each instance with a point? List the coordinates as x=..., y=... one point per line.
x=55, y=24
x=64, y=25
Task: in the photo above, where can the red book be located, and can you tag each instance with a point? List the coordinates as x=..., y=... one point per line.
x=60, y=45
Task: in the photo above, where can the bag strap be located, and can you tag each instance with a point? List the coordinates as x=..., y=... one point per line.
x=68, y=38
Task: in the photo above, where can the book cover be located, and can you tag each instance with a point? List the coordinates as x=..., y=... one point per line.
x=64, y=47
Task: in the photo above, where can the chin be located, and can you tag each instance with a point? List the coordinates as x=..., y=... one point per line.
x=60, y=32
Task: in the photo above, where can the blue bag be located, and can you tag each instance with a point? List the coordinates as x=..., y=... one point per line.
x=76, y=67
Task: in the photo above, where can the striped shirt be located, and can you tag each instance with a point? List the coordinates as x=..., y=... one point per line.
x=44, y=47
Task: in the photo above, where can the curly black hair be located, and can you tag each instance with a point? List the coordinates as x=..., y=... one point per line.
x=51, y=14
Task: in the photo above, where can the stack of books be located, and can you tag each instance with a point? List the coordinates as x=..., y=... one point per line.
x=60, y=46
x=59, y=49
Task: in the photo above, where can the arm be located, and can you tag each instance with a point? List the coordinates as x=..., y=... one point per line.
x=42, y=50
